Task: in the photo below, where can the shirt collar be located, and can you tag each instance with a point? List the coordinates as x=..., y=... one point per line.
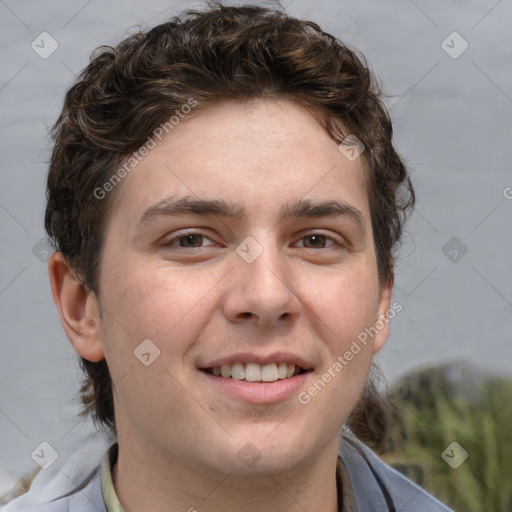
x=107, y=487
x=346, y=500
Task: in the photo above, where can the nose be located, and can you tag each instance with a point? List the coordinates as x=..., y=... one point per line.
x=261, y=292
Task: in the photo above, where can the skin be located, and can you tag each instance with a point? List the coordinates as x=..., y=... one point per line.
x=178, y=435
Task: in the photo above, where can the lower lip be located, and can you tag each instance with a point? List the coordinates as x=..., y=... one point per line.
x=258, y=392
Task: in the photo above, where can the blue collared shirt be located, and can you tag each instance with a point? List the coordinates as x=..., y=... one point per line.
x=365, y=484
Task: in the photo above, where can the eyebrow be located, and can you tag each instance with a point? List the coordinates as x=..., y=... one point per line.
x=301, y=208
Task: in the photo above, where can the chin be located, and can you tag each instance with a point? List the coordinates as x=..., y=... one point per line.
x=268, y=449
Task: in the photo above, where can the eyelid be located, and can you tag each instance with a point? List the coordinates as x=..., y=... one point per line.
x=167, y=242
x=336, y=242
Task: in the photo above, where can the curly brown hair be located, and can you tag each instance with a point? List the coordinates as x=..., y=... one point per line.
x=220, y=53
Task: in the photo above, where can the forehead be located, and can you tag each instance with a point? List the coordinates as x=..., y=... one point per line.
x=262, y=154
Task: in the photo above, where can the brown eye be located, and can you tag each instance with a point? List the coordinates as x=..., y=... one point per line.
x=318, y=241
x=192, y=240
x=186, y=241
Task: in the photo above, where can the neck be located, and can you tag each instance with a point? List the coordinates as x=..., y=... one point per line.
x=147, y=482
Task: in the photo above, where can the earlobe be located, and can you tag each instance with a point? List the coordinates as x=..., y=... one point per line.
x=78, y=309
x=382, y=323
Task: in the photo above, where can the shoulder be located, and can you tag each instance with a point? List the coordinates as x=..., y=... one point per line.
x=71, y=483
x=85, y=497
x=377, y=486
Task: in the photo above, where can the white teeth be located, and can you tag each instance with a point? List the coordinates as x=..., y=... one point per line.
x=238, y=371
x=253, y=372
x=269, y=372
x=282, y=371
x=225, y=370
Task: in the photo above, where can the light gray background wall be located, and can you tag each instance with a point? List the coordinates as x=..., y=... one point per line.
x=452, y=119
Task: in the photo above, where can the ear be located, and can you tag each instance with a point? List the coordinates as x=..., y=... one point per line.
x=383, y=317
x=78, y=309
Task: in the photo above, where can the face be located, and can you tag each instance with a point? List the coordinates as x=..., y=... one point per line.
x=257, y=283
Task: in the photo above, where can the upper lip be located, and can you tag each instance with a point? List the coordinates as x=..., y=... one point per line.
x=250, y=357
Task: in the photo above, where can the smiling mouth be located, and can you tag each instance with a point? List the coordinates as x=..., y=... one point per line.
x=253, y=372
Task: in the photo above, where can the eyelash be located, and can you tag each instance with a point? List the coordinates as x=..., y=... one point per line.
x=169, y=243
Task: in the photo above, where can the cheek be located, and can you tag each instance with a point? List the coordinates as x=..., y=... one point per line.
x=145, y=301
x=344, y=308
x=347, y=304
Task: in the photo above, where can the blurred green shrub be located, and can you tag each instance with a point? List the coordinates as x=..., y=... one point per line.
x=433, y=407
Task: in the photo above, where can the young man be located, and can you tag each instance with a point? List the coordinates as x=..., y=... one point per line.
x=224, y=199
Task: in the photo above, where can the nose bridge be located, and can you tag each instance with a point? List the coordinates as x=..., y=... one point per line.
x=267, y=268
x=261, y=289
